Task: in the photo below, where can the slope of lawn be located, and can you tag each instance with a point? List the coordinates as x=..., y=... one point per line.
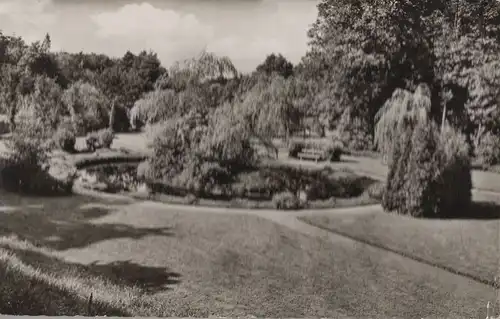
x=35, y=282
x=469, y=245
x=186, y=262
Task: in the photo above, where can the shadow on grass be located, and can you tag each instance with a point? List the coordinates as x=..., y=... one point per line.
x=479, y=210
x=148, y=279
x=29, y=288
x=66, y=223
x=120, y=273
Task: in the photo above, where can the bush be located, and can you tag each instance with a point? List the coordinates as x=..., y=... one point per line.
x=334, y=151
x=143, y=171
x=455, y=178
x=421, y=194
x=393, y=198
x=488, y=150
x=92, y=141
x=26, y=170
x=286, y=201
x=190, y=199
x=294, y=148
x=65, y=139
x=430, y=173
x=354, y=134
x=106, y=137
x=376, y=190
x=4, y=124
x=263, y=183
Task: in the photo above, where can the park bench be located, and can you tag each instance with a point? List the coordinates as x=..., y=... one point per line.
x=311, y=154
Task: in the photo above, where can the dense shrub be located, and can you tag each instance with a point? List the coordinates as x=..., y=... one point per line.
x=286, y=201
x=455, y=178
x=430, y=173
x=92, y=141
x=190, y=199
x=119, y=121
x=65, y=139
x=354, y=134
x=421, y=193
x=488, y=150
x=204, y=178
x=4, y=124
x=262, y=183
x=106, y=137
x=394, y=197
x=334, y=151
x=295, y=147
x=27, y=169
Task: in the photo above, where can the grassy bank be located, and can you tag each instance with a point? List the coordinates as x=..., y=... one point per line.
x=468, y=245
x=146, y=260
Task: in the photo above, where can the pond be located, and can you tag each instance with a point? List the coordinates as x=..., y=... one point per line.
x=258, y=184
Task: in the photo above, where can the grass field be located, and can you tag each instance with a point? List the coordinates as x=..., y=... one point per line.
x=469, y=245
x=194, y=263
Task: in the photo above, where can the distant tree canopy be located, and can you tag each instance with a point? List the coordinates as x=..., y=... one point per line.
x=276, y=63
x=360, y=53
x=368, y=49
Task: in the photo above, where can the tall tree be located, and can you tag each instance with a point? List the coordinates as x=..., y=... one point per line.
x=276, y=63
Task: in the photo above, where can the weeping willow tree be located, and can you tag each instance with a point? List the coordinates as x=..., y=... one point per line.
x=272, y=108
x=402, y=109
x=204, y=67
x=429, y=168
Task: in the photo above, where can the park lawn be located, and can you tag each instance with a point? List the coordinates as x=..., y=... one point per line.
x=174, y=262
x=470, y=246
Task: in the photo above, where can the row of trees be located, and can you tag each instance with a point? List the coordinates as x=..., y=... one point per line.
x=370, y=66
x=365, y=50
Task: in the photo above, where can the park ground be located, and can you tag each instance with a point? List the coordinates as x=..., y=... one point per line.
x=152, y=259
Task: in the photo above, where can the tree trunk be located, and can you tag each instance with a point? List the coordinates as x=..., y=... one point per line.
x=443, y=120
x=112, y=117
x=12, y=119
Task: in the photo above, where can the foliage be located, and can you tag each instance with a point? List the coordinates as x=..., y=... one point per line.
x=276, y=63
x=198, y=153
x=294, y=148
x=421, y=194
x=87, y=107
x=275, y=106
x=334, y=152
x=353, y=134
x=26, y=169
x=155, y=106
x=286, y=201
x=65, y=139
x=92, y=141
x=4, y=124
x=144, y=171
x=394, y=194
x=488, y=150
x=376, y=191
x=455, y=173
x=106, y=137
x=430, y=173
x=324, y=184
x=403, y=107
x=44, y=104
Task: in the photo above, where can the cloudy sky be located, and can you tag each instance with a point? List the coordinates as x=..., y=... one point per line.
x=244, y=30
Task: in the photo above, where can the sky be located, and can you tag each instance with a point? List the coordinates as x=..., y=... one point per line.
x=244, y=30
